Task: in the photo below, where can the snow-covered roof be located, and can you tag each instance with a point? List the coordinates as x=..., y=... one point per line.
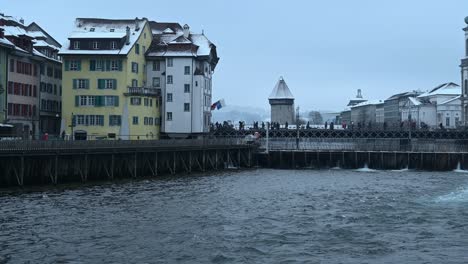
x=451, y=100
x=97, y=35
x=37, y=34
x=96, y=28
x=169, y=41
x=6, y=42
x=371, y=102
x=42, y=43
x=415, y=101
x=443, y=89
x=10, y=18
x=281, y=91
x=16, y=31
x=39, y=54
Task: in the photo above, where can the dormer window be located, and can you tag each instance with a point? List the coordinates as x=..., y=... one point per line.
x=76, y=45
x=112, y=30
x=95, y=45
x=91, y=29
x=113, y=45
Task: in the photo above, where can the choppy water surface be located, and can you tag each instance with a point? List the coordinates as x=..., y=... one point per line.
x=258, y=216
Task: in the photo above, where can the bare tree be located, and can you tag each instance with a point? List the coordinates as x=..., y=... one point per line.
x=315, y=118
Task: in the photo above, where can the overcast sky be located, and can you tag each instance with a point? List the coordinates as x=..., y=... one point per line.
x=325, y=50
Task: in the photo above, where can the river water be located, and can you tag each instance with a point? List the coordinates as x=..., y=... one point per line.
x=254, y=216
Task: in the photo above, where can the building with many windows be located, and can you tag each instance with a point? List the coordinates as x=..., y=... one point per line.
x=23, y=79
x=181, y=64
x=50, y=87
x=5, y=47
x=464, y=78
x=105, y=94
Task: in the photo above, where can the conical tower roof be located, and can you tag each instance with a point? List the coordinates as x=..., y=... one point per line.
x=281, y=91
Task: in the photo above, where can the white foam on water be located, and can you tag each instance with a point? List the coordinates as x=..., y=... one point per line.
x=460, y=195
x=335, y=168
x=401, y=170
x=365, y=169
x=459, y=170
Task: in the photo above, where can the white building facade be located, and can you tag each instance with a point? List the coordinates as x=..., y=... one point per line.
x=464, y=78
x=181, y=65
x=439, y=106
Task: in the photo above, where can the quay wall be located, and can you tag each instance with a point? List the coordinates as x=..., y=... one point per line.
x=382, y=160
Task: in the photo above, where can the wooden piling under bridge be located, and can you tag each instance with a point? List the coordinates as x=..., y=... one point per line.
x=382, y=160
x=54, y=162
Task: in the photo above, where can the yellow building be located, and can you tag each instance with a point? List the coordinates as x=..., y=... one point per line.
x=104, y=82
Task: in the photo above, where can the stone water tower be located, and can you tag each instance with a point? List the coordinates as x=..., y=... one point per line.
x=282, y=103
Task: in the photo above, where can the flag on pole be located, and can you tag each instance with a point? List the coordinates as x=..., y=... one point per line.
x=218, y=105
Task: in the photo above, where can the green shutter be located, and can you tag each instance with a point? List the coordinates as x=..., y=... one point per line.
x=108, y=65
x=75, y=83
x=101, y=83
x=78, y=63
x=67, y=65
x=119, y=63
x=114, y=84
x=92, y=65
x=77, y=100
x=116, y=101
x=87, y=83
x=99, y=100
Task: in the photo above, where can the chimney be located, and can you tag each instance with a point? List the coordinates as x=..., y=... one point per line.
x=359, y=95
x=137, y=25
x=127, y=40
x=22, y=21
x=186, y=31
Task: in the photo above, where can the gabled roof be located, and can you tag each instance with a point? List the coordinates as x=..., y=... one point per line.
x=97, y=28
x=42, y=33
x=281, y=91
x=443, y=89
x=371, y=102
x=173, y=43
x=450, y=100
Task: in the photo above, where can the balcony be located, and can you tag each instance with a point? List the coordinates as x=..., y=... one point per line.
x=143, y=91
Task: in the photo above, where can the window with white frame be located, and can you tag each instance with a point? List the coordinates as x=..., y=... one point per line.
x=156, y=66
x=169, y=116
x=169, y=79
x=134, y=67
x=114, y=65
x=74, y=65
x=76, y=44
x=156, y=82
x=110, y=100
x=187, y=70
x=115, y=120
x=95, y=45
x=113, y=45
x=134, y=83
x=169, y=97
x=186, y=88
x=186, y=107
x=135, y=101
x=82, y=84
x=170, y=62
x=109, y=84
x=80, y=119
x=135, y=120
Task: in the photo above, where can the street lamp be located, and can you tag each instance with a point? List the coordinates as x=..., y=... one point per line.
x=297, y=127
x=72, y=125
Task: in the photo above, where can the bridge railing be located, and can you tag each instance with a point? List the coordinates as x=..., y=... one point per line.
x=37, y=145
x=360, y=144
